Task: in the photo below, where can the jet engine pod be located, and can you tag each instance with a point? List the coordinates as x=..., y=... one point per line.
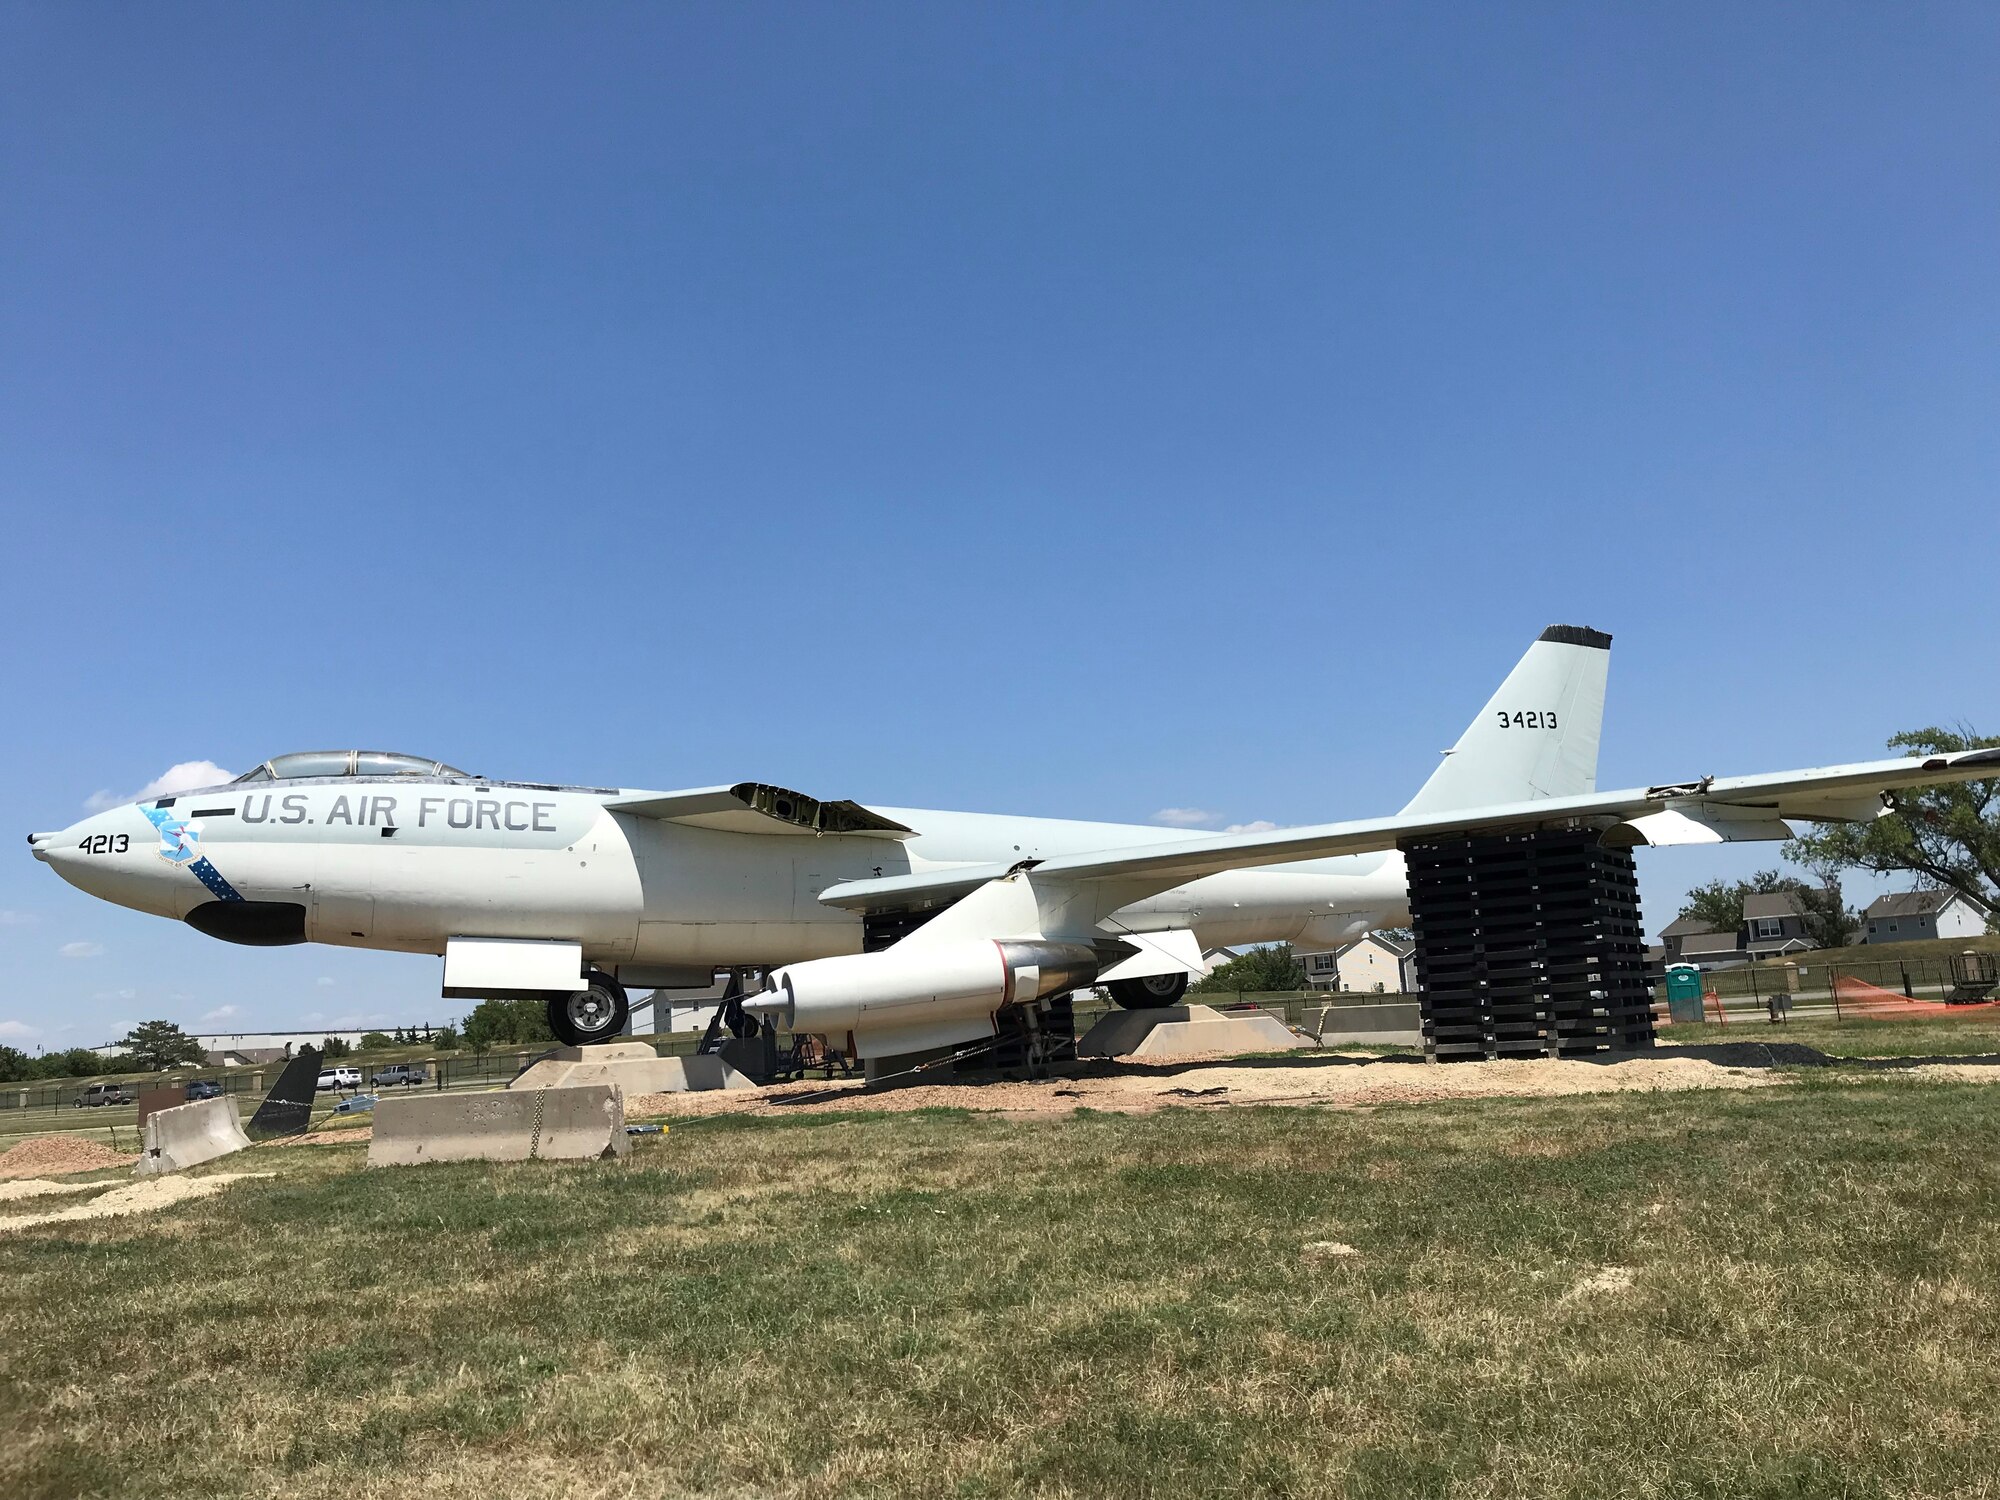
x=906, y=985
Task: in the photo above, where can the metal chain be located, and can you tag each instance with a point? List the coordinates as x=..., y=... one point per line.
x=535, y=1140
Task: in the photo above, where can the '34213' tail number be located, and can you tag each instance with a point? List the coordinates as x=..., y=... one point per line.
x=1540, y=718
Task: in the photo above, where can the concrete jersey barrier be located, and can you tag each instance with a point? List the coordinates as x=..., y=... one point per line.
x=553, y=1124
x=186, y=1135
x=1185, y=1031
x=632, y=1066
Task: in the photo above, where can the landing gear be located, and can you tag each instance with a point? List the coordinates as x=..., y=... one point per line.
x=583, y=1017
x=1154, y=992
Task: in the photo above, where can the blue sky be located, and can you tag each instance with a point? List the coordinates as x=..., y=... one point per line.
x=1080, y=410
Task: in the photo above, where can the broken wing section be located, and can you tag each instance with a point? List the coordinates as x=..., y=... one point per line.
x=758, y=807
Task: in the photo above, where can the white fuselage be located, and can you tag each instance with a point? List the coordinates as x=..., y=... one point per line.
x=407, y=863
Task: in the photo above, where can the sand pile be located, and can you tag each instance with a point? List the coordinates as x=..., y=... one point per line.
x=1339, y=1080
x=53, y=1155
x=35, y=1187
x=148, y=1196
x=343, y=1137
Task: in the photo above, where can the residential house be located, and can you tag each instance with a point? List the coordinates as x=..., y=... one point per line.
x=1774, y=924
x=1674, y=937
x=1908, y=916
x=1376, y=964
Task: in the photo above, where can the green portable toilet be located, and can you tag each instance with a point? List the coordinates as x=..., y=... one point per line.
x=1684, y=993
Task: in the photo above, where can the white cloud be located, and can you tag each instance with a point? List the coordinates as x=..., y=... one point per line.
x=18, y=1031
x=325, y=981
x=1184, y=817
x=81, y=950
x=116, y=995
x=183, y=777
x=221, y=1013
x=314, y=1017
x=1262, y=825
x=18, y=919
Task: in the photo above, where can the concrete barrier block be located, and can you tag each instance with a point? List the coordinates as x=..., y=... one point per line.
x=1186, y=1031
x=1391, y=1024
x=186, y=1135
x=545, y=1124
x=632, y=1066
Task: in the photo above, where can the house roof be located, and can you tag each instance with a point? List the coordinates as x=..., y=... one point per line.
x=1709, y=942
x=1394, y=947
x=1772, y=904
x=1912, y=903
x=1682, y=926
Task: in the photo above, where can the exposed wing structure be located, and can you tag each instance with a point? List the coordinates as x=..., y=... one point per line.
x=755, y=807
x=1078, y=890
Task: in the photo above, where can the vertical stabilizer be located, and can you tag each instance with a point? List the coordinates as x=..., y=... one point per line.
x=1537, y=736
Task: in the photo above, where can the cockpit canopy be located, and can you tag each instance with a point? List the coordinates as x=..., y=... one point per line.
x=305, y=763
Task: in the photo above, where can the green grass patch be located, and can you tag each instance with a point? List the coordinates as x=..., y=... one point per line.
x=1785, y=1291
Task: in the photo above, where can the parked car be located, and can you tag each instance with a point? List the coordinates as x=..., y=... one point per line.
x=339, y=1078
x=404, y=1073
x=100, y=1094
x=203, y=1088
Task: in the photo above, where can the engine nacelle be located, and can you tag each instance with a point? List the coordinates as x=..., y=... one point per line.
x=907, y=986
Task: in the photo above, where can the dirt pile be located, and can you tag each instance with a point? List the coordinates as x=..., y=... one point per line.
x=1340, y=1080
x=53, y=1155
x=35, y=1187
x=148, y=1196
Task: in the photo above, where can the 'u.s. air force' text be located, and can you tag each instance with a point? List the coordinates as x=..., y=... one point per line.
x=498, y=814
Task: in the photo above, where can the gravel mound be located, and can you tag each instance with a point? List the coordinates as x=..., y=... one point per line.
x=53, y=1155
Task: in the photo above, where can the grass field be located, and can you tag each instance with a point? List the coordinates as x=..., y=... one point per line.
x=1787, y=1291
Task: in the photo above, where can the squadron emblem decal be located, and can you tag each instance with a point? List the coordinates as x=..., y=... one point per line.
x=180, y=844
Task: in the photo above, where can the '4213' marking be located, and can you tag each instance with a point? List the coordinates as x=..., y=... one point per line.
x=1540, y=718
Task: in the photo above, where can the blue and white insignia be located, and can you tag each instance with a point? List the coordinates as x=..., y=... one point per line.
x=180, y=840
x=180, y=844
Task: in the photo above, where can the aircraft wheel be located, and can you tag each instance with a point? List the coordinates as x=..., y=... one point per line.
x=1154, y=992
x=584, y=1017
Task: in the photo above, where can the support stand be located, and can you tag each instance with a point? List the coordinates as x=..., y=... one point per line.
x=1528, y=945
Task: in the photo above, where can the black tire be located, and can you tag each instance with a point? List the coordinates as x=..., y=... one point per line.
x=1154, y=992
x=589, y=1016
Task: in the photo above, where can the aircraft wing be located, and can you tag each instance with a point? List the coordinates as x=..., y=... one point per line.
x=757, y=807
x=1708, y=810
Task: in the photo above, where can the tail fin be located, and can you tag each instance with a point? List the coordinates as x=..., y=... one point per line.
x=1537, y=736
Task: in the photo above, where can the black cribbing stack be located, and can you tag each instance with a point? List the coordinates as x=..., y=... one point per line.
x=1528, y=944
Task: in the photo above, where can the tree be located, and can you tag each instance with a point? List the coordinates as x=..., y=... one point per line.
x=1719, y=905
x=331, y=1047
x=153, y=1045
x=445, y=1039
x=15, y=1065
x=498, y=1022
x=1257, y=971
x=77, y=1062
x=1947, y=836
x=372, y=1040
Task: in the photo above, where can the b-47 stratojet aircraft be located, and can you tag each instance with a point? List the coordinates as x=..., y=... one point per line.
x=891, y=930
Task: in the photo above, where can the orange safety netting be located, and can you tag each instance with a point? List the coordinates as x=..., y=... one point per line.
x=1857, y=997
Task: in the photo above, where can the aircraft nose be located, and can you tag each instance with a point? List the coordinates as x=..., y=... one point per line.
x=43, y=845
